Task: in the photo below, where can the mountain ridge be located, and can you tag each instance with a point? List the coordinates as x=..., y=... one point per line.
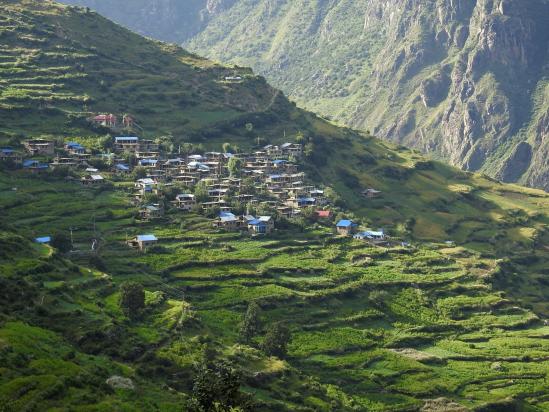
x=464, y=81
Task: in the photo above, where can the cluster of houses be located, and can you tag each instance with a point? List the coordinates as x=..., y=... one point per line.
x=269, y=176
x=346, y=227
x=272, y=172
x=261, y=225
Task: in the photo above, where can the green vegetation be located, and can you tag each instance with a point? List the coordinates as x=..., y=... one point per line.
x=359, y=327
x=368, y=328
x=132, y=299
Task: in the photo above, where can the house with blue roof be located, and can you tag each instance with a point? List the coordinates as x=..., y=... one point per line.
x=227, y=221
x=142, y=242
x=35, y=166
x=263, y=225
x=346, y=227
x=75, y=148
x=371, y=236
x=258, y=227
x=9, y=154
x=43, y=240
x=305, y=202
x=122, y=168
x=146, y=185
x=148, y=163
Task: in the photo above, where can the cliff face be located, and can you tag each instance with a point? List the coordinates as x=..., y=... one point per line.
x=465, y=80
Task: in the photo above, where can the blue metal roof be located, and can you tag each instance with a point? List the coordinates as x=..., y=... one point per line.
x=345, y=223
x=257, y=222
x=122, y=167
x=369, y=234
x=74, y=145
x=146, y=238
x=44, y=239
x=34, y=163
x=148, y=161
x=226, y=214
x=130, y=138
x=7, y=150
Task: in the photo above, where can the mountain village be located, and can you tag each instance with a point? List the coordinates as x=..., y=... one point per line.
x=225, y=186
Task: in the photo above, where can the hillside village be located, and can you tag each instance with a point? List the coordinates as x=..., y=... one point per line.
x=142, y=257
x=240, y=192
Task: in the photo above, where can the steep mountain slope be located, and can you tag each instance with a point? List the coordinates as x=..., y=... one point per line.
x=464, y=80
x=60, y=68
x=435, y=325
x=167, y=20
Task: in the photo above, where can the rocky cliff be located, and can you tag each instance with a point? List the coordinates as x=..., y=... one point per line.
x=465, y=80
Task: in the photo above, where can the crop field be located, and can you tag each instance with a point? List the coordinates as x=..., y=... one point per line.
x=372, y=328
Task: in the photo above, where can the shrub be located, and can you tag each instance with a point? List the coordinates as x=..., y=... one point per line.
x=62, y=242
x=250, y=325
x=132, y=298
x=276, y=340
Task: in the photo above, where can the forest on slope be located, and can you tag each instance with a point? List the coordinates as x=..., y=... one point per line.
x=465, y=81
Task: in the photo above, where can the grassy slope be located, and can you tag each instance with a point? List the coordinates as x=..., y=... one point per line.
x=441, y=301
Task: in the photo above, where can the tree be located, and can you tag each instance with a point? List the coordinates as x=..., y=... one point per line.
x=216, y=387
x=165, y=143
x=308, y=150
x=139, y=172
x=130, y=158
x=234, y=166
x=201, y=192
x=186, y=148
x=334, y=197
x=132, y=298
x=62, y=242
x=226, y=147
x=276, y=340
x=250, y=325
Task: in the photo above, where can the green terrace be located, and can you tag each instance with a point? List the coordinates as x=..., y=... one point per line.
x=372, y=328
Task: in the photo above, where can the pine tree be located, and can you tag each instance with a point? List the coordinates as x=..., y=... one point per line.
x=250, y=326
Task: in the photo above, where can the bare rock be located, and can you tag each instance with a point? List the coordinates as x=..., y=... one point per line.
x=119, y=382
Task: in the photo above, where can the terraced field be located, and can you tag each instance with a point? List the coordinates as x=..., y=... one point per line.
x=435, y=325
x=372, y=328
x=60, y=65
